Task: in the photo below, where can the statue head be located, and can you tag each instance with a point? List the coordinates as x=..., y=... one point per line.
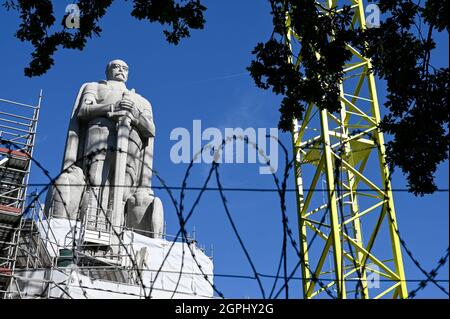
x=117, y=70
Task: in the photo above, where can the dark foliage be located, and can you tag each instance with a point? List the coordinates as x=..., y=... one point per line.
x=417, y=97
x=37, y=17
x=181, y=18
x=417, y=104
x=316, y=79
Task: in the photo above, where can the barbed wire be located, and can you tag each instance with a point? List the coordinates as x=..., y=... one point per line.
x=287, y=232
x=56, y=187
x=441, y=262
x=234, y=189
x=387, y=179
x=387, y=187
x=429, y=276
x=432, y=274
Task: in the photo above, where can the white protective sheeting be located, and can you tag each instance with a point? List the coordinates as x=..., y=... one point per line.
x=180, y=270
x=179, y=259
x=59, y=233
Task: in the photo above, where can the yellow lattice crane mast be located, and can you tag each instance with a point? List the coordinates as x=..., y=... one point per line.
x=349, y=239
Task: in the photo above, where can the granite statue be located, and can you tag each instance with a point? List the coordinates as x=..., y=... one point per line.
x=107, y=166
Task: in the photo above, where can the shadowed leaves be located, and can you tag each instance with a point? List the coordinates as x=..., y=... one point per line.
x=417, y=92
x=37, y=18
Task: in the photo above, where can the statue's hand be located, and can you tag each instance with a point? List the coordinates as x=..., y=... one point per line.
x=130, y=106
x=121, y=114
x=125, y=107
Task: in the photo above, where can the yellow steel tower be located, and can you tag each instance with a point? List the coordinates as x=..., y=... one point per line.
x=348, y=231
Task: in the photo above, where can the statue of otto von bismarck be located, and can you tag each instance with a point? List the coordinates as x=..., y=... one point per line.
x=107, y=167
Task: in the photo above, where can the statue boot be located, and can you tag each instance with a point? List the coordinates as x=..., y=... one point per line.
x=145, y=214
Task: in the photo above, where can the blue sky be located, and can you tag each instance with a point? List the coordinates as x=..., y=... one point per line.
x=205, y=78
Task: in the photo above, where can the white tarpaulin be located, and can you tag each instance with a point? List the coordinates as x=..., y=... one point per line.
x=164, y=265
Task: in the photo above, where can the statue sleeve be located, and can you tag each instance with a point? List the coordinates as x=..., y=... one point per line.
x=74, y=133
x=145, y=122
x=87, y=101
x=147, y=112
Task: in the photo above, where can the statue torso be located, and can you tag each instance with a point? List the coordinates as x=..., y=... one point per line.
x=110, y=92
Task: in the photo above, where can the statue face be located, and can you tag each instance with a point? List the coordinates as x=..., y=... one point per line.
x=117, y=70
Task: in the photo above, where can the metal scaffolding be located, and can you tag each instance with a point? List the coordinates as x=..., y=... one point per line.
x=18, y=123
x=352, y=221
